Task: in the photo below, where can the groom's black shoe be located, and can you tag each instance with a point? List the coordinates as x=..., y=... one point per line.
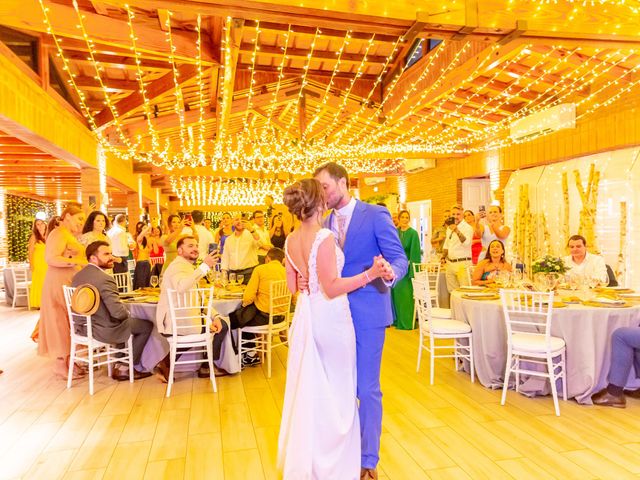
x=368, y=474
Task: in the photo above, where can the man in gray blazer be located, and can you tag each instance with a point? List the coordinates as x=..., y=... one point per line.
x=111, y=323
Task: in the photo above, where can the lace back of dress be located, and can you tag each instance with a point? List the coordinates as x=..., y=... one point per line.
x=314, y=284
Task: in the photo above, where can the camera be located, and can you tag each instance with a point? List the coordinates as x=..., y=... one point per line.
x=449, y=221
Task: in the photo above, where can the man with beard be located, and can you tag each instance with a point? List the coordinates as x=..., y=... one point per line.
x=111, y=323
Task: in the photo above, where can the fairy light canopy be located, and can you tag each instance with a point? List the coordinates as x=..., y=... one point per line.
x=246, y=92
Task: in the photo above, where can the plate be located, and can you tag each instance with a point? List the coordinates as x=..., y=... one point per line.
x=481, y=297
x=591, y=303
x=630, y=296
x=231, y=295
x=472, y=288
x=614, y=289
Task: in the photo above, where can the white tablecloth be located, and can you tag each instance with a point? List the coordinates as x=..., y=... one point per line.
x=586, y=331
x=157, y=346
x=9, y=288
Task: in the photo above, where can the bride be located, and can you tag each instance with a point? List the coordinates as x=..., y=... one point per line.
x=320, y=430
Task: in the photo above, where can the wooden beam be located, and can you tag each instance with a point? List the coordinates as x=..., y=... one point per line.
x=337, y=32
x=407, y=42
x=43, y=63
x=155, y=90
x=317, y=54
x=99, y=7
x=302, y=115
x=142, y=167
x=112, y=84
x=301, y=71
x=233, y=38
x=27, y=15
x=119, y=60
x=281, y=127
x=163, y=18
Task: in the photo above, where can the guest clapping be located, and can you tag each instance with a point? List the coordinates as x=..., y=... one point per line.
x=494, y=262
x=492, y=228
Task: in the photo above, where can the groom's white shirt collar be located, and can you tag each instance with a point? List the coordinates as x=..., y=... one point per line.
x=347, y=212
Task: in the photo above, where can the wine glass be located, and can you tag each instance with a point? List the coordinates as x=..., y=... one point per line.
x=232, y=278
x=224, y=279
x=153, y=281
x=240, y=278
x=517, y=277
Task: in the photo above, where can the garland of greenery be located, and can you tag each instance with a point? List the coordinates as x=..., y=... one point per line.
x=21, y=212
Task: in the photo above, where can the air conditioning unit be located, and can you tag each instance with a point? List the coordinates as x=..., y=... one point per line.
x=414, y=165
x=373, y=180
x=546, y=121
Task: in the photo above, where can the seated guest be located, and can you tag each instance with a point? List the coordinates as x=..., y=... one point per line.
x=582, y=262
x=182, y=275
x=111, y=323
x=492, y=263
x=625, y=353
x=256, y=297
x=240, y=255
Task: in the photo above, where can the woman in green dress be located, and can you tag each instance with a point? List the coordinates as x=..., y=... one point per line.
x=402, y=293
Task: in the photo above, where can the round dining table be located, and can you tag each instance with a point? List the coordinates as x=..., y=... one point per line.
x=586, y=331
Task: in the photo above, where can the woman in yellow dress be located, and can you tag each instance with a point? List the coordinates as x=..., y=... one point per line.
x=65, y=256
x=37, y=261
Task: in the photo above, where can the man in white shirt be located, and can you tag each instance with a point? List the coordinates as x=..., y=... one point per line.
x=205, y=237
x=582, y=262
x=119, y=243
x=263, y=234
x=456, y=250
x=240, y=255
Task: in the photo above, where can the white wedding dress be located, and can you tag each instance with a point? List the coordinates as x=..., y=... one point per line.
x=320, y=429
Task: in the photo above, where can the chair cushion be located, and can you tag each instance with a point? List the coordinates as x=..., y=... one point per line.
x=448, y=326
x=535, y=343
x=437, y=312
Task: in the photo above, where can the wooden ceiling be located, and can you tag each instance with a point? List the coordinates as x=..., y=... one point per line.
x=328, y=79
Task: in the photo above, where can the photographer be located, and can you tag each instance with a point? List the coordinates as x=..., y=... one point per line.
x=277, y=232
x=456, y=251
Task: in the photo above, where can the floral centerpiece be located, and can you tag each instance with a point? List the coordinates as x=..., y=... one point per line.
x=549, y=264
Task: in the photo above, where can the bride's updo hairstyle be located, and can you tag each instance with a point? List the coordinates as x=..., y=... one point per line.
x=303, y=198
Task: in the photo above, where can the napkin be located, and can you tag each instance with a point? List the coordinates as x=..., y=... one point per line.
x=612, y=301
x=480, y=294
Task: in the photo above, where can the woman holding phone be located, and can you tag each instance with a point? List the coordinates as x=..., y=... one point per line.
x=492, y=228
x=176, y=230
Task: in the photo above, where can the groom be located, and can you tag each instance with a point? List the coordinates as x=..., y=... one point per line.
x=365, y=231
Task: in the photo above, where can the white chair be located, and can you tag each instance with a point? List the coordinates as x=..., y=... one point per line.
x=156, y=261
x=123, y=282
x=190, y=314
x=279, y=306
x=528, y=319
x=432, y=329
x=95, y=350
x=21, y=285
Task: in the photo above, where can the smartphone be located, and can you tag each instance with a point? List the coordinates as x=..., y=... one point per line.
x=213, y=247
x=188, y=217
x=482, y=211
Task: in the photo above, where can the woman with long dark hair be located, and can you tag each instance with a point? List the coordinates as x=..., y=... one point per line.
x=95, y=228
x=493, y=262
x=143, y=266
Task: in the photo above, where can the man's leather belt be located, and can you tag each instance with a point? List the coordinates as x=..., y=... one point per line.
x=454, y=260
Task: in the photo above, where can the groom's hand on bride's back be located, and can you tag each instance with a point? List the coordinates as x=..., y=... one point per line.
x=303, y=284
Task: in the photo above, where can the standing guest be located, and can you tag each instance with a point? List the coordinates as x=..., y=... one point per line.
x=439, y=234
x=456, y=251
x=204, y=235
x=120, y=243
x=581, y=262
x=493, y=262
x=143, y=266
x=395, y=220
x=278, y=236
x=53, y=223
x=170, y=240
x=402, y=292
x=225, y=230
x=493, y=228
x=263, y=233
x=156, y=250
x=37, y=262
x=182, y=275
x=94, y=229
x=476, y=240
x=64, y=255
x=111, y=323
x=257, y=296
x=240, y=254
x=625, y=354
x=206, y=223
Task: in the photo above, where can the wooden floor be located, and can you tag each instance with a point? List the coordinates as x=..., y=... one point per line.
x=452, y=430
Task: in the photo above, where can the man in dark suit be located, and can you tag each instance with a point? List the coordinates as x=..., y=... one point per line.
x=111, y=323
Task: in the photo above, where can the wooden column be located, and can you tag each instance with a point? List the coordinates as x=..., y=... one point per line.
x=90, y=185
x=133, y=210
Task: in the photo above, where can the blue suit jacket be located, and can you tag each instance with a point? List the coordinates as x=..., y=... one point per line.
x=371, y=232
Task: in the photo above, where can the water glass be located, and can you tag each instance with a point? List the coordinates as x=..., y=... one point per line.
x=153, y=281
x=240, y=278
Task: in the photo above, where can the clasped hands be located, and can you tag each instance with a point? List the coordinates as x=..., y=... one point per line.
x=380, y=268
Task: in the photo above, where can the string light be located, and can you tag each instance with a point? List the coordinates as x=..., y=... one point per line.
x=211, y=191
